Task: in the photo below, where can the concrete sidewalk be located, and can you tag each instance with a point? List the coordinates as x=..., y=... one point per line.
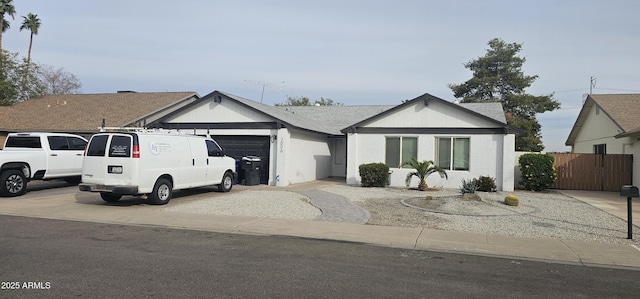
x=81, y=206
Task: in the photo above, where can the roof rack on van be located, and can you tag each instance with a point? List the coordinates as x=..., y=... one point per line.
x=141, y=130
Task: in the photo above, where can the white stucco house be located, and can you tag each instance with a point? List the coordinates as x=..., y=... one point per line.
x=608, y=124
x=305, y=143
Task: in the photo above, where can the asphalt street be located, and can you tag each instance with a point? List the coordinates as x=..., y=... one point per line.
x=56, y=259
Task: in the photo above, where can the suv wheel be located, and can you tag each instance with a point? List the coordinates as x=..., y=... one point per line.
x=13, y=183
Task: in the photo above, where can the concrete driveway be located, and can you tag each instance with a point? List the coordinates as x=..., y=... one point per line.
x=610, y=202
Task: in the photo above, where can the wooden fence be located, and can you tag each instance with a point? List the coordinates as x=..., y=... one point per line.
x=592, y=171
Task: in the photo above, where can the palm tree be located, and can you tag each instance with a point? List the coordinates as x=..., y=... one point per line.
x=6, y=7
x=423, y=170
x=32, y=23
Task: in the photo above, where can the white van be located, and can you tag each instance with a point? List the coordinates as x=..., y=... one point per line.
x=153, y=163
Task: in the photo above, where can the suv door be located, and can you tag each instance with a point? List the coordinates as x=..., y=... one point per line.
x=65, y=157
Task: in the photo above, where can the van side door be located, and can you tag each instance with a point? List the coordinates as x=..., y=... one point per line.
x=199, y=162
x=216, y=167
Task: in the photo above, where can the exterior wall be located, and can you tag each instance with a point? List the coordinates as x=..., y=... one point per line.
x=598, y=128
x=490, y=155
x=226, y=111
x=309, y=157
x=436, y=115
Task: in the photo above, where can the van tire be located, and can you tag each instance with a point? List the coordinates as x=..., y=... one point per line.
x=12, y=183
x=162, y=192
x=227, y=182
x=110, y=197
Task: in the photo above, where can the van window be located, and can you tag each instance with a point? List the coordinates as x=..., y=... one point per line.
x=97, y=146
x=213, y=149
x=120, y=146
x=24, y=142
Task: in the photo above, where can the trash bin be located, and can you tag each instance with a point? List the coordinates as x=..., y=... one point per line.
x=250, y=167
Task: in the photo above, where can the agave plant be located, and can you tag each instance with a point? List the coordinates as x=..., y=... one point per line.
x=423, y=170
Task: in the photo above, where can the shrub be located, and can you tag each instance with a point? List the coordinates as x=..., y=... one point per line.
x=468, y=186
x=374, y=174
x=486, y=184
x=429, y=197
x=538, y=171
x=511, y=200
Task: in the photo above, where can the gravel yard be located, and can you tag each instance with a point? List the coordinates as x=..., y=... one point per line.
x=548, y=215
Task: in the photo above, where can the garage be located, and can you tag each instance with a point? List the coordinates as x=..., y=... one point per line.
x=242, y=146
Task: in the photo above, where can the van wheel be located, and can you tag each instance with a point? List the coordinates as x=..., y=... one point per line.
x=161, y=192
x=110, y=197
x=227, y=182
x=13, y=183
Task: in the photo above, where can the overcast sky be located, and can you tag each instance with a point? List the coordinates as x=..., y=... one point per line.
x=353, y=52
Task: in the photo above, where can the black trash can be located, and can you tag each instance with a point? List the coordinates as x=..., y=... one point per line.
x=250, y=168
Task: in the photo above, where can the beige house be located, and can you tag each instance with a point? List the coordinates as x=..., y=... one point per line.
x=608, y=124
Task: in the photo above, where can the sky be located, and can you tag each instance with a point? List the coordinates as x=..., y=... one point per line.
x=353, y=52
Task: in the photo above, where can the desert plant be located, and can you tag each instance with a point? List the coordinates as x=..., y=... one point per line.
x=511, y=200
x=374, y=174
x=486, y=184
x=423, y=170
x=429, y=197
x=468, y=186
x=538, y=171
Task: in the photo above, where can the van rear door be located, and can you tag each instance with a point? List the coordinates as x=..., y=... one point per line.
x=110, y=159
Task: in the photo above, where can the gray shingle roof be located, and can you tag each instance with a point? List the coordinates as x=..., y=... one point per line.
x=334, y=119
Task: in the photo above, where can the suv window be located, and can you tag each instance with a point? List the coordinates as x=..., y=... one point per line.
x=97, y=146
x=120, y=146
x=25, y=142
x=76, y=143
x=58, y=143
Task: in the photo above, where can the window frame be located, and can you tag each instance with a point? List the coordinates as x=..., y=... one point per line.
x=401, y=150
x=451, y=156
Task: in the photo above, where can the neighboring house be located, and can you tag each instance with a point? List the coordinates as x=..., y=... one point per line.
x=298, y=144
x=608, y=124
x=84, y=113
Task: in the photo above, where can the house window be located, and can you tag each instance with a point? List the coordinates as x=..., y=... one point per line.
x=400, y=149
x=453, y=153
x=600, y=149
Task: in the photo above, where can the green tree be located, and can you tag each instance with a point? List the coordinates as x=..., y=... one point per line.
x=498, y=77
x=31, y=23
x=304, y=101
x=13, y=85
x=6, y=7
x=423, y=170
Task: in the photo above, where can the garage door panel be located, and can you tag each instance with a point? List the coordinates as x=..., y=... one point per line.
x=238, y=146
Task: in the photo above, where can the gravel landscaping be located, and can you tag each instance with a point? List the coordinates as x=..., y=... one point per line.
x=548, y=215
